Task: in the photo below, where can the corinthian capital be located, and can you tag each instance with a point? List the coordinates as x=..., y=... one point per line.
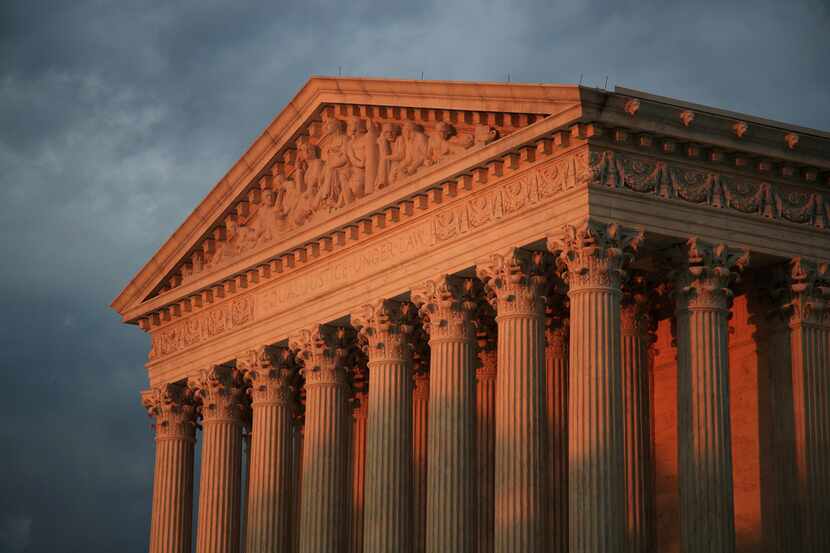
x=706, y=272
x=446, y=304
x=640, y=299
x=806, y=292
x=515, y=280
x=323, y=352
x=593, y=255
x=171, y=405
x=271, y=373
x=219, y=393
x=384, y=328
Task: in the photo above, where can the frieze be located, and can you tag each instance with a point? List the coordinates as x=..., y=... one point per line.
x=515, y=195
x=195, y=330
x=488, y=206
x=693, y=185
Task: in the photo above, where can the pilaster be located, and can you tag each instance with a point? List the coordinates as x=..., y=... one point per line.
x=592, y=257
x=221, y=399
x=515, y=281
x=175, y=425
x=446, y=306
x=703, y=297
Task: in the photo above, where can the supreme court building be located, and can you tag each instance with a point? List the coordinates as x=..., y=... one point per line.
x=457, y=317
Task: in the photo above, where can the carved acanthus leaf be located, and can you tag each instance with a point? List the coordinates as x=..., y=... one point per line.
x=706, y=273
x=516, y=280
x=172, y=407
x=271, y=373
x=446, y=304
x=323, y=352
x=805, y=294
x=384, y=329
x=594, y=254
x=219, y=392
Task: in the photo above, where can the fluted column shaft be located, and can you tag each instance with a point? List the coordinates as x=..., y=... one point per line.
x=486, y=446
x=515, y=281
x=556, y=358
x=809, y=325
x=420, y=426
x=384, y=329
x=639, y=455
x=296, y=482
x=170, y=526
x=322, y=528
x=358, y=466
x=451, y=441
x=269, y=474
x=707, y=516
x=593, y=256
x=220, y=482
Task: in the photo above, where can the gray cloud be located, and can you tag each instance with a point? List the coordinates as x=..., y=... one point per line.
x=117, y=118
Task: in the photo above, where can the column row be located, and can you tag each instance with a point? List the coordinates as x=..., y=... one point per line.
x=512, y=426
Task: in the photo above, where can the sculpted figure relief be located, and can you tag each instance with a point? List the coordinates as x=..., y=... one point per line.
x=352, y=159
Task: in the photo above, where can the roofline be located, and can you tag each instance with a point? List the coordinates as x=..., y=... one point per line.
x=287, y=118
x=721, y=112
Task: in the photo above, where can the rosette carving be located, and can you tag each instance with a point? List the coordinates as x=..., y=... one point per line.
x=219, y=393
x=384, y=328
x=271, y=373
x=172, y=407
x=324, y=353
x=593, y=254
x=446, y=304
x=516, y=281
x=706, y=273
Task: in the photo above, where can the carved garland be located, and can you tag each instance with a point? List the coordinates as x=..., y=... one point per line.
x=658, y=178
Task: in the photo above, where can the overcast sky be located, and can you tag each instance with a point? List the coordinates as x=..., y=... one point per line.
x=116, y=118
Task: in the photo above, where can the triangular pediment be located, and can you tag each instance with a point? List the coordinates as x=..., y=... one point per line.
x=341, y=145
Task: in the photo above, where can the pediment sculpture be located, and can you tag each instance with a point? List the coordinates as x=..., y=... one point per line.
x=351, y=159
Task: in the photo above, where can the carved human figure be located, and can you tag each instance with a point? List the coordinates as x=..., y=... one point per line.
x=484, y=134
x=336, y=165
x=362, y=152
x=441, y=145
x=392, y=149
x=415, y=152
x=309, y=168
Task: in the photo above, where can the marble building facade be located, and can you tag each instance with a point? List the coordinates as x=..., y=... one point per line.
x=422, y=316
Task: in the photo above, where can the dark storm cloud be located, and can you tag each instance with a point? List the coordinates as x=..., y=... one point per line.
x=116, y=118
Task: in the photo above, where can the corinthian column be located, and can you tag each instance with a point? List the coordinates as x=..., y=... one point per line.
x=486, y=433
x=420, y=425
x=637, y=336
x=446, y=307
x=707, y=518
x=515, y=280
x=809, y=325
x=593, y=256
x=175, y=424
x=322, y=528
x=556, y=360
x=271, y=373
x=384, y=328
x=221, y=396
